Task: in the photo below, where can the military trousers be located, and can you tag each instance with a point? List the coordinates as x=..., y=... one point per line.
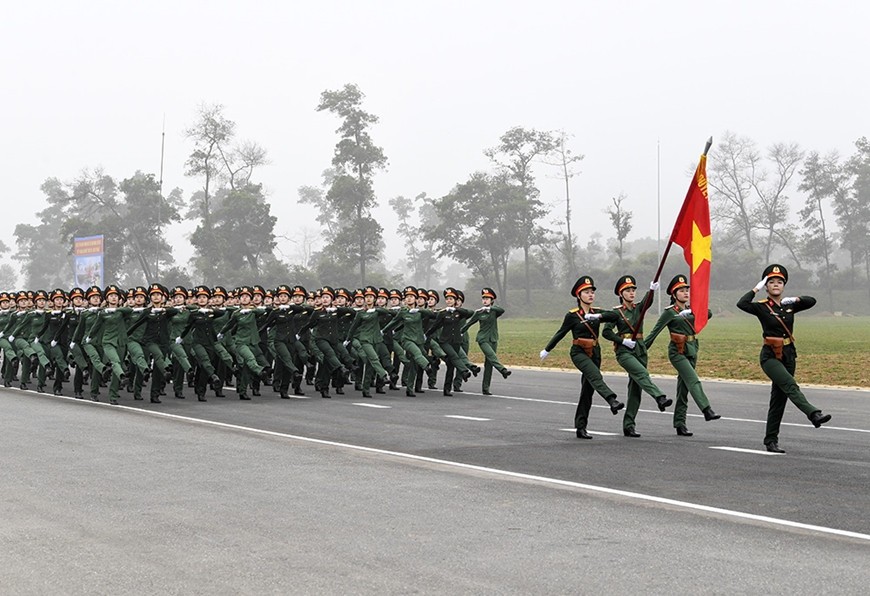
x=634, y=363
x=782, y=389
x=591, y=382
x=687, y=382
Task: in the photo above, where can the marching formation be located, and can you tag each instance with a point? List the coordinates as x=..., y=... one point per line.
x=210, y=338
x=624, y=328
x=371, y=338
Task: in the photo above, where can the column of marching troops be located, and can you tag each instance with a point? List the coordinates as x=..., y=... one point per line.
x=371, y=338
x=209, y=338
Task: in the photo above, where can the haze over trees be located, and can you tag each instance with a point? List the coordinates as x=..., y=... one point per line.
x=805, y=207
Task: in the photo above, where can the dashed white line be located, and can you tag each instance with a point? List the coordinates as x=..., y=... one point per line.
x=740, y=450
x=475, y=418
x=592, y=432
x=362, y=405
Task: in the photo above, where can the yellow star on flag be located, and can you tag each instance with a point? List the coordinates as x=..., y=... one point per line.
x=701, y=247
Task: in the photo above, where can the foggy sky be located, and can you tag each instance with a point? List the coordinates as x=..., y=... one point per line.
x=88, y=84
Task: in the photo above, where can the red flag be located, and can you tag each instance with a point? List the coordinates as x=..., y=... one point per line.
x=692, y=233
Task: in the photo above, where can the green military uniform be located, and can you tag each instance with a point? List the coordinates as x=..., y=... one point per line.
x=683, y=355
x=411, y=321
x=487, y=337
x=365, y=333
x=632, y=359
x=449, y=323
x=779, y=355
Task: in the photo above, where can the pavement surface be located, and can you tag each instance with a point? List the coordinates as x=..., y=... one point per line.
x=433, y=494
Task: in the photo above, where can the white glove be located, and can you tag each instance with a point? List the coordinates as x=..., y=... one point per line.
x=544, y=354
x=53, y=343
x=629, y=343
x=110, y=310
x=760, y=284
x=11, y=338
x=789, y=300
x=485, y=308
x=345, y=343
x=88, y=339
x=220, y=336
x=2, y=334
x=298, y=338
x=414, y=310
x=593, y=316
x=155, y=309
x=653, y=285
x=36, y=342
x=72, y=344
x=139, y=309
x=371, y=310
x=330, y=309
x=685, y=313
x=204, y=310
x=450, y=309
x=178, y=340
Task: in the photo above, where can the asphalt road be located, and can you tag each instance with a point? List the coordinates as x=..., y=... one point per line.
x=432, y=494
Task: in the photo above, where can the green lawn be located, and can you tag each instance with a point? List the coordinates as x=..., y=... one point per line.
x=831, y=350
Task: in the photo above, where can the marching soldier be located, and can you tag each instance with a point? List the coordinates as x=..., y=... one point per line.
x=487, y=336
x=630, y=353
x=449, y=322
x=683, y=353
x=583, y=322
x=778, y=353
x=412, y=318
x=365, y=333
x=246, y=337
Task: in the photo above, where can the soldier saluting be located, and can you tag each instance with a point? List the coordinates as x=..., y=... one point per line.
x=778, y=353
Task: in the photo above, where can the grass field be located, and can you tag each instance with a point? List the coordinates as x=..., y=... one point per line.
x=831, y=350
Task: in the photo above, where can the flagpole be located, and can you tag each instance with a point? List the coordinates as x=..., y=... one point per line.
x=659, y=204
x=647, y=303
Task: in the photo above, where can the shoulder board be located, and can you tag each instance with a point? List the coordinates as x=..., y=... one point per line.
x=574, y=310
x=762, y=301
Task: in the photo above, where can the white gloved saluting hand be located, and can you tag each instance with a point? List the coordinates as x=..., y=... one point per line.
x=760, y=284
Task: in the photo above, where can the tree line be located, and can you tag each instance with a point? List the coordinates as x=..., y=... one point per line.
x=807, y=209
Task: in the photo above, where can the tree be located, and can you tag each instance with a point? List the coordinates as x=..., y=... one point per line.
x=566, y=161
x=477, y=226
x=419, y=248
x=771, y=210
x=242, y=236
x=41, y=250
x=621, y=220
x=514, y=154
x=822, y=180
x=221, y=163
x=732, y=177
x=351, y=193
x=852, y=209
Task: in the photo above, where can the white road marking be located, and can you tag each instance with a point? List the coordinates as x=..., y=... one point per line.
x=468, y=418
x=362, y=405
x=753, y=451
x=495, y=471
x=592, y=432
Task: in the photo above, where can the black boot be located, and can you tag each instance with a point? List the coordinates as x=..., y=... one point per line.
x=630, y=432
x=683, y=431
x=663, y=402
x=709, y=414
x=774, y=447
x=582, y=434
x=818, y=419
x=506, y=373
x=615, y=404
